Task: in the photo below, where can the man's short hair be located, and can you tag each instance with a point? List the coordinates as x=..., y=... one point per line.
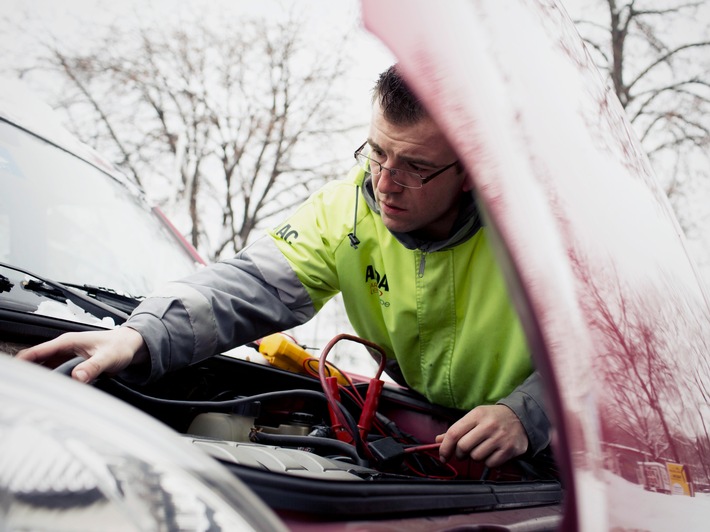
x=398, y=103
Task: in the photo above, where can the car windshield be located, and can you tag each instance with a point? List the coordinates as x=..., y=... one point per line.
x=64, y=219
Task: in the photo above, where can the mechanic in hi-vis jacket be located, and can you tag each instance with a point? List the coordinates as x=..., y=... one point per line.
x=402, y=240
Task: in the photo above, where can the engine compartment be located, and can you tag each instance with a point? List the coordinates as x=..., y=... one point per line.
x=275, y=430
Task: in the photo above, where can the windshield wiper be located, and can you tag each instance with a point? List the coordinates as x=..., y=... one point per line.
x=60, y=291
x=108, y=296
x=5, y=284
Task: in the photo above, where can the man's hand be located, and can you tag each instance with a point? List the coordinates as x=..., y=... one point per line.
x=104, y=351
x=491, y=434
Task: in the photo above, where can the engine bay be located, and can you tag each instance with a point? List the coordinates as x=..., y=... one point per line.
x=303, y=440
x=311, y=440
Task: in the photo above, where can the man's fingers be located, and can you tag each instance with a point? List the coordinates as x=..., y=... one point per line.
x=462, y=429
x=447, y=447
x=491, y=434
x=109, y=351
x=477, y=447
x=61, y=346
x=89, y=370
x=498, y=458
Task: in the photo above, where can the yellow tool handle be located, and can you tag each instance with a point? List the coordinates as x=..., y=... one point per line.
x=286, y=354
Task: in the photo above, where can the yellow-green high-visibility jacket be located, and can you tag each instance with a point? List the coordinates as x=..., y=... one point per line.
x=439, y=309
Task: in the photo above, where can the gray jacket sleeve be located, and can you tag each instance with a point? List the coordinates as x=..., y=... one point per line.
x=528, y=404
x=222, y=306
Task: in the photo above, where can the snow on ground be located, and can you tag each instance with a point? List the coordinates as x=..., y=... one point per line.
x=634, y=508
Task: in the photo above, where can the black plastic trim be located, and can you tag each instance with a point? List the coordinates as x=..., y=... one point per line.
x=369, y=499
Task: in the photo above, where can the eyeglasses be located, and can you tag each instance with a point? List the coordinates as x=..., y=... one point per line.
x=401, y=177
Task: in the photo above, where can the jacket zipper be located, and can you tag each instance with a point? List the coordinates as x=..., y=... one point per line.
x=422, y=262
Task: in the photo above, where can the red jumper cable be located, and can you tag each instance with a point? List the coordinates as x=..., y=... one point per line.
x=330, y=388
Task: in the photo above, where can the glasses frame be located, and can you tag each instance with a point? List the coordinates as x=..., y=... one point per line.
x=393, y=171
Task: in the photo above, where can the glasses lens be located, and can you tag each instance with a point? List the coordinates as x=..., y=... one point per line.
x=406, y=179
x=366, y=164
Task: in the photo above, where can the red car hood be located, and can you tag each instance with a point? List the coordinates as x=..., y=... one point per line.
x=616, y=315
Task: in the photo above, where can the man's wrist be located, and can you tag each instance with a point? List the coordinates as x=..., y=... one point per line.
x=134, y=341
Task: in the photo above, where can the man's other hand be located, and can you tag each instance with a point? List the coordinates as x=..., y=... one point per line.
x=492, y=434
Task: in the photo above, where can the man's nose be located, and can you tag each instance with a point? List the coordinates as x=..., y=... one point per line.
x=385, y=183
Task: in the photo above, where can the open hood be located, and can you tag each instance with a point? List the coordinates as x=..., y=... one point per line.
x=615, y=313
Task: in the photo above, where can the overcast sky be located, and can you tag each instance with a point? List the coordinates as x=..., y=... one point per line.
x=72, y=19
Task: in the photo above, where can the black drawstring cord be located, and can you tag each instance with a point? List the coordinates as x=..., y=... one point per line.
x=354, y=241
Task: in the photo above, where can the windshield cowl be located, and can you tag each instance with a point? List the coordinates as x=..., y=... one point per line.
x=22, y=291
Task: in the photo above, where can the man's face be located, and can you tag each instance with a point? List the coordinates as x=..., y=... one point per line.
x=429, y=211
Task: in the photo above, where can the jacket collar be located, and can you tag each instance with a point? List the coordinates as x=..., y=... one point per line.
x=466, y=225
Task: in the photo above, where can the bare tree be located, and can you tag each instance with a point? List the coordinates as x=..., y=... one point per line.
x=657, y=56
x=222, y=113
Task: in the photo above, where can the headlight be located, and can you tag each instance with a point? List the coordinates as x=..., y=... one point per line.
x=73, y=458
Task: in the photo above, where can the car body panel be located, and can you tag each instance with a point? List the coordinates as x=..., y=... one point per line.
x=616, y=314
x=91, y=462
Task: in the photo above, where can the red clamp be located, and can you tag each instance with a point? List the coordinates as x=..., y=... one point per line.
x=340, y=432
x=374, y=389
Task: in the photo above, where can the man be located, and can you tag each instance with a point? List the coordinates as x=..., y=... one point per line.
x=403, y=242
